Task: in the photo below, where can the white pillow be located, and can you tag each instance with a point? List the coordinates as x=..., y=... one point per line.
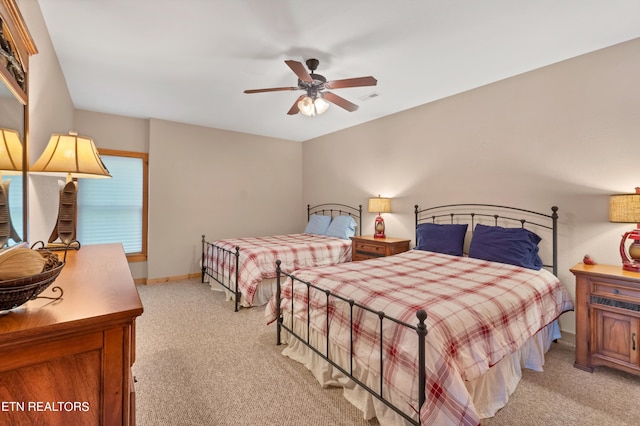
x=342, y=227
x=318, y=224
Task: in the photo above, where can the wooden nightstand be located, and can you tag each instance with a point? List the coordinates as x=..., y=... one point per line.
x=368, y=247
x=607, y=317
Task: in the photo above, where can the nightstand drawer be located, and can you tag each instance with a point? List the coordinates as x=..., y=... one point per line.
x=615, y=290
x=369, y=250
x=368, y=247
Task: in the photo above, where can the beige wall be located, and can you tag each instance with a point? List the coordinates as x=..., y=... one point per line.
x=217, y=183
x=113, y=131
x=562, y=135
x=11, y=111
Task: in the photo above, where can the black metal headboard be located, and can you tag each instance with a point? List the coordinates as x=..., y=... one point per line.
x=335, y=209
x=498, y=216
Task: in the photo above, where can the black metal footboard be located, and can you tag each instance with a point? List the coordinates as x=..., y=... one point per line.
x=420, y=329
x=224, y=269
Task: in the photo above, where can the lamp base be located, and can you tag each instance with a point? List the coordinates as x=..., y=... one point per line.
x=631, y=257
x=73, y=245
x=379, y=227
x=633, y=267
x=65, y=228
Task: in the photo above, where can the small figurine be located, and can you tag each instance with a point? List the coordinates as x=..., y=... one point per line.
x=587, y=260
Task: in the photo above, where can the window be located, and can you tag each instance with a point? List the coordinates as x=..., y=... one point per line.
x=15, y=204
x=115, y=210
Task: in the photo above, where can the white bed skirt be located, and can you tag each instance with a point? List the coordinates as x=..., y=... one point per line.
x=489, y=392
x=265, y=290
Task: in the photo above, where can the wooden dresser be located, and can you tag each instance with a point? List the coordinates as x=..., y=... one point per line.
x=367, y=247
x=68, y=362
x=607, y=317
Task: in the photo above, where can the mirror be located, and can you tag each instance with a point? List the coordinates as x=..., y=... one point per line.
x=12, y=118
x=16, y=45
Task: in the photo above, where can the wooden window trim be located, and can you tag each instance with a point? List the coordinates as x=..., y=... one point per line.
x=142, y=256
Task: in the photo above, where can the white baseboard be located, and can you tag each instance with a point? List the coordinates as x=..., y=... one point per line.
x=568, y=339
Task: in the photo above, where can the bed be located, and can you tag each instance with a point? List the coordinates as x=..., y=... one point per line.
x=243, y=267
x=430, y=337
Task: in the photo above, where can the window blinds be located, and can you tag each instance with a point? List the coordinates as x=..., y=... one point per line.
x=110, y=210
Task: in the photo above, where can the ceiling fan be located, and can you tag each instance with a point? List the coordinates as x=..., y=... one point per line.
x=314, y=102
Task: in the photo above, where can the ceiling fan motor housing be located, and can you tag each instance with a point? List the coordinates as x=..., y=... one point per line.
x=318, y=80
x=312, y=64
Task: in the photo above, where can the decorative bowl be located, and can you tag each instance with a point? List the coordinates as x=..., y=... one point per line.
x=16, y=292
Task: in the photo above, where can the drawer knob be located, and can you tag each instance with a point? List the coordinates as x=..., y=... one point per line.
x=616, y=291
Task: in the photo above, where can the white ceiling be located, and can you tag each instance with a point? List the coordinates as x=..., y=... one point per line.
x=190, y=60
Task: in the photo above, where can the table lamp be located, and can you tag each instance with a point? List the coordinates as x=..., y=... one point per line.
x=625, y=208
x=379, y=205
x=74, y=157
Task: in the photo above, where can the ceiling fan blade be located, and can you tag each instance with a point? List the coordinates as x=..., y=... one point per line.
x=351, y=82
x=294, y=108
x=300, y=70
x=273, y=89
x=341, y=102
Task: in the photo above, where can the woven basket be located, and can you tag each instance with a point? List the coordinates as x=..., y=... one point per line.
x=16, y=292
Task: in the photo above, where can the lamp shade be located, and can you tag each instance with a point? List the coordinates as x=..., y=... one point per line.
x=321, y=105
x=10, y=151
x=71, y=155
x=379, y=205
x=625, y=208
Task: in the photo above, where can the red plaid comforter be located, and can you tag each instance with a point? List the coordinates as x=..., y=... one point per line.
x=478, y=312
x=258, y=256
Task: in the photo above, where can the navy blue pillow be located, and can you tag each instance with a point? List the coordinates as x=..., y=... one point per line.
x=446, y=239
x=514, y=246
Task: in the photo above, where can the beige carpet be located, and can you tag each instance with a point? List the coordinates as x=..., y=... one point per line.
x=200, y=363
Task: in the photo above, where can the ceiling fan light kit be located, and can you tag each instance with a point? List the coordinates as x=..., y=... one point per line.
x=317, y=98
x=312, y=107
